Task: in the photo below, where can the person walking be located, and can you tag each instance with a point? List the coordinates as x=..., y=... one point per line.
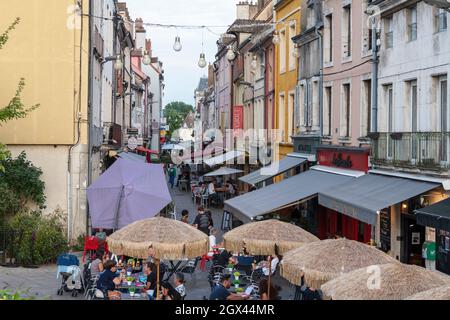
x=202, y=221
x=172, y=175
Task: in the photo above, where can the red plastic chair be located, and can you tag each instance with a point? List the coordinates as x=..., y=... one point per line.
x=91, y=245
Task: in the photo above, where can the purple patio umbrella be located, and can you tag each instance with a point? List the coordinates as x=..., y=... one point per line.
x=128, y=191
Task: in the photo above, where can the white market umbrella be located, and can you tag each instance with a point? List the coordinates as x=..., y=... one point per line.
x=224, y=171
x=172, y=146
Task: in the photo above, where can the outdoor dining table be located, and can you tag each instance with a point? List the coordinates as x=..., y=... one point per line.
x=138, y=297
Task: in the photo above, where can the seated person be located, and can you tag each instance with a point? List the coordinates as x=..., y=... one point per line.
x=179, y=284
x=223, y=258
x=108, y=279
x=169, y=292
x=230, y=190
x=212, y=191
x=150, y=271
x=97, y=264
x=174, y=293
x=264, y=290
x=220, y=291
x=307, y=293
x=185, y=216
x=263, y=268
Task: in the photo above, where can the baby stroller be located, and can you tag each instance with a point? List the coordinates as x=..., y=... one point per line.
x=68, y=269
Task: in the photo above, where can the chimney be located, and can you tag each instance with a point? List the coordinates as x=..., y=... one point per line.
x=141, y=33
x=245, y=10
x=148, y=46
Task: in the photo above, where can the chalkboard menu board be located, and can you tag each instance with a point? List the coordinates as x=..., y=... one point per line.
x=443, y=251
x=385, y=230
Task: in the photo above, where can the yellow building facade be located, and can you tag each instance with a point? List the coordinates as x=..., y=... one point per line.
x=287, y=17
x=49, y=49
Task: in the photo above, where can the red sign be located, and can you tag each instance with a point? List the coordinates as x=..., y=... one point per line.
x=344, y=158
x=238, y=117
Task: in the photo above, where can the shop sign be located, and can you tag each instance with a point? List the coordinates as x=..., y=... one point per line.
x=238, y=117
x=345, y=159
x=340, y=162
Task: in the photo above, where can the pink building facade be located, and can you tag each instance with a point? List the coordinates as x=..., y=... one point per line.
x=347, y=73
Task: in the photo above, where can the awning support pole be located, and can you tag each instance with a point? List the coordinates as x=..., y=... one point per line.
x=119, y=201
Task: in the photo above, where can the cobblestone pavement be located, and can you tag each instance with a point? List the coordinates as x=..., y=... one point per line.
x=42, y=284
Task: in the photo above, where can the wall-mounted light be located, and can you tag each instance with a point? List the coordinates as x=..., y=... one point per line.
x=276, y=38
x=231, y=55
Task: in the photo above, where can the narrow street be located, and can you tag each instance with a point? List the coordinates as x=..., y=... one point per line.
x=42, y=284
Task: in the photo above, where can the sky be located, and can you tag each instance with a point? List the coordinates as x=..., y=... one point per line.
x=182, y=73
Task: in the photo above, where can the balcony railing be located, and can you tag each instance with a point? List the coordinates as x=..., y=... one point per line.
x=423, y=150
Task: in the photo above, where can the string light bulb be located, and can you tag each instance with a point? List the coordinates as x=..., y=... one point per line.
x=146, y=59
x=118, y=65
x=177, y=46
x=202, y=61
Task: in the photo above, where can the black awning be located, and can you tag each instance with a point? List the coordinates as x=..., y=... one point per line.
x=435, y=216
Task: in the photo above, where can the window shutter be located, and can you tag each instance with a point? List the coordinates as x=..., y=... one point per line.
x=305, y=105
x=297, y=107
x=310, y=98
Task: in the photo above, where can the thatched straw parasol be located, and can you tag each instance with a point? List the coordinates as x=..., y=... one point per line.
x=267, y=238
x=262, y=238
x=393, y=281
x=171, y=240
x=441, y=293
x=328, y=259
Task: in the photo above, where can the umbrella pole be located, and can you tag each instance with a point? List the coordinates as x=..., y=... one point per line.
x=270, y=277
x=116, y=218
x=157, y=280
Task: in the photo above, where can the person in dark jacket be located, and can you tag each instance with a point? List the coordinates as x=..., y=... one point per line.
x=202, y=221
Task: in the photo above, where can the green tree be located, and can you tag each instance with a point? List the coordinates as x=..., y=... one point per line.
x=176, y=113
x=15, y=109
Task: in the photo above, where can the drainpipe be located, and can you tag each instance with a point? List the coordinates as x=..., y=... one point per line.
x=77, y=103
x=374, y=76
x=90, y=105
x=321, y=80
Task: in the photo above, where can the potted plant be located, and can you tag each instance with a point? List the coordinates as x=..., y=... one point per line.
x=132, y=292
x=230, y=267
x=130, y=281
x=236, y=284
x=240, y=290
x=236, y=275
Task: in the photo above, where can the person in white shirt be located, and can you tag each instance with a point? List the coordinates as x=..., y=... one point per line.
x=263, y=268
x=275, y=261
x=211, y=188
x=212, y=239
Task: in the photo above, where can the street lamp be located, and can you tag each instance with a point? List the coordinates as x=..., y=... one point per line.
x=118, y=65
